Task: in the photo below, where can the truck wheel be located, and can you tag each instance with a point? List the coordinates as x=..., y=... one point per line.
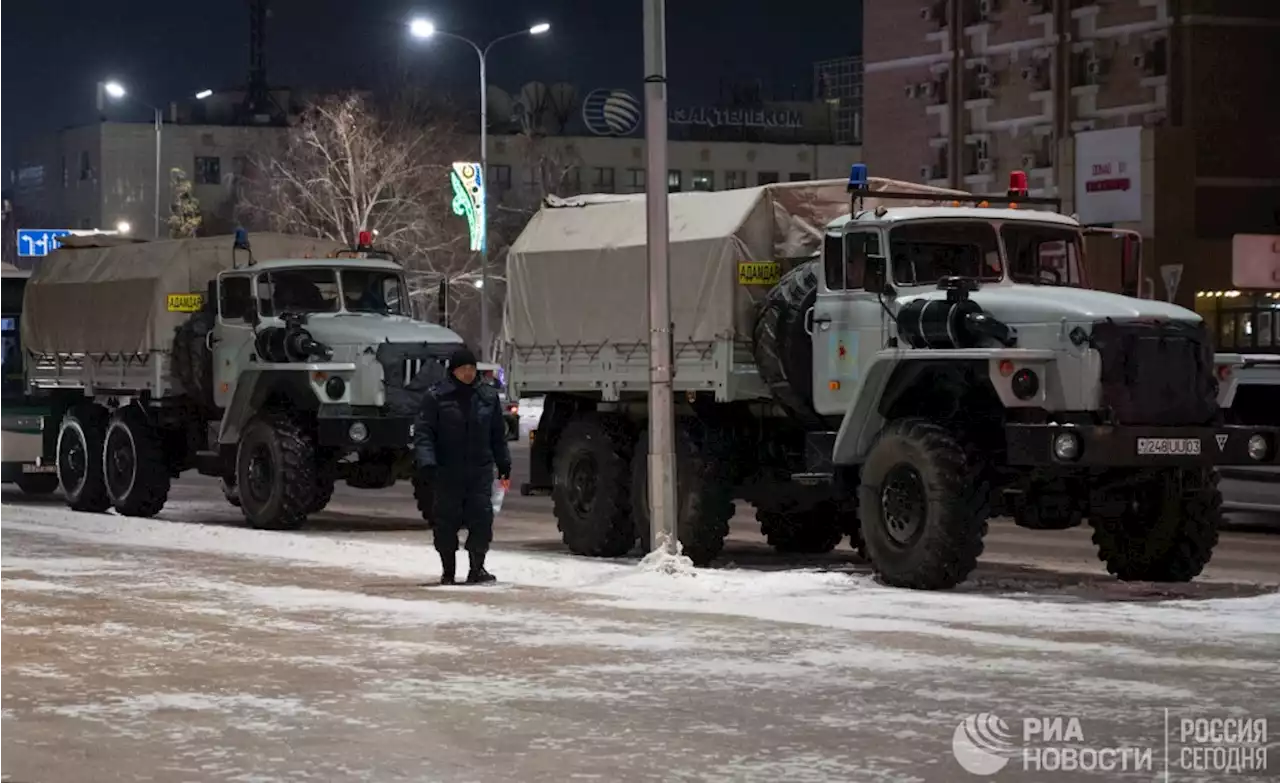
x=924, y=508
x=79, y=453
x=275, y=473
x=811, y=531
x=326, y=477
x=783, y=350
x=1167, y=532
x=134, y=467
x=704, y=496
x=230, y=491
x=591, y=490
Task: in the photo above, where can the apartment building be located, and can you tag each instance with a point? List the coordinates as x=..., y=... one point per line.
x=1158, y=115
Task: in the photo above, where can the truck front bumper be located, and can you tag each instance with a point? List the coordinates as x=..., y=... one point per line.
x=1122, y=446
x=377, y=432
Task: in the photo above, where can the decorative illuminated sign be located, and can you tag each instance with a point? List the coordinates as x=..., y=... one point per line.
x=468, y=200
x=1109, y=176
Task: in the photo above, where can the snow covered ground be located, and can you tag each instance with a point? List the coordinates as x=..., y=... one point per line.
x=203, y=652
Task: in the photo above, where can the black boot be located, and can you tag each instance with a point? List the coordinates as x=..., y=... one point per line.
x=477, y=575
x=448, y=568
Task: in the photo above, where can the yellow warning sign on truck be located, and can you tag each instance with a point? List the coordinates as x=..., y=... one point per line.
x=759, y=273
x=185, y=303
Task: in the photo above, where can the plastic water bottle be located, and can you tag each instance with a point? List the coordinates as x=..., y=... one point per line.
x=499, y=493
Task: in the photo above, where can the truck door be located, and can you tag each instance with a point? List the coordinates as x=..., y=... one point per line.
x=232, y=335
x=847, y=322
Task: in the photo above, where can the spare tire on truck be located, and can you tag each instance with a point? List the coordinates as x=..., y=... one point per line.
x=192, y=359
x=783, y=349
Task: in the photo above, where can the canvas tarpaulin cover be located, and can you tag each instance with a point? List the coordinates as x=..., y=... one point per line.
x=112, y=297
x=578, y=273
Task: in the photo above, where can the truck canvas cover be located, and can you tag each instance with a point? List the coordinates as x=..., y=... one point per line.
x=105, y=295
x=578, y=273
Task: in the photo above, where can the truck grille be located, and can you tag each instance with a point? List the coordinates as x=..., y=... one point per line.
x=1157, y=372
x=409, y=369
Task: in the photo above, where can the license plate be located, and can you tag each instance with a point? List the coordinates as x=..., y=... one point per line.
x=1168, y=446
x=30, y=467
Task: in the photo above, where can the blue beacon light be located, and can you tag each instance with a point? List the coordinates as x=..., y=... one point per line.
x=857, y=185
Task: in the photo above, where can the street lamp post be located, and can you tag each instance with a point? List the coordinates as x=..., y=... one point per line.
x=116, y=91
x=422, y=29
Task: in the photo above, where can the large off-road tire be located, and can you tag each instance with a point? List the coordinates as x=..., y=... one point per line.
x=924, y=507
x=79, y=452
x=230, y=491
x=134, y=468
x=591, y=489
x=37, y=483
x=704, y=494
x=192, y=359
x=811, y=531
x=783, y=349
x=326, y=477
x=1167, y=532
x=276, y=473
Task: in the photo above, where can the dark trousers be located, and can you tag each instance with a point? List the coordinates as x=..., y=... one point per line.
x=463, y=502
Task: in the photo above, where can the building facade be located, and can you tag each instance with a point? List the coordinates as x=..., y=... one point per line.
x=1157, y=115
x=98, y=176
x=838, y=83
x=569, y=165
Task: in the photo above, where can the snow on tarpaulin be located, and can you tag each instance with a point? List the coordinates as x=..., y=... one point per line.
x=816, y=598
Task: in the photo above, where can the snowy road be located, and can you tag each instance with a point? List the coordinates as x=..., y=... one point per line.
x=153, y=650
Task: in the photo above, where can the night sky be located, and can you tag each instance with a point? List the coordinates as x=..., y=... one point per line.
x=54, y=51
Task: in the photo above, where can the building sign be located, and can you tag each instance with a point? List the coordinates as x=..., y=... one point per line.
x=1109, y=176
x=39, y=242
x=618, y=113
x=736, y=118
x=1255, y=261
x=468, y=200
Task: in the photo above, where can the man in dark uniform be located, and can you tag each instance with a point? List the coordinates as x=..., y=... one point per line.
x=459, y=439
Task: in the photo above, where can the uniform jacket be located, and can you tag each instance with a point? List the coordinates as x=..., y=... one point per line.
x=461, y=434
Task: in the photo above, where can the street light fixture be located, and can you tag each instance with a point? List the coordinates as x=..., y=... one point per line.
x=116, y=91
x=200, y=96
x=422, y=28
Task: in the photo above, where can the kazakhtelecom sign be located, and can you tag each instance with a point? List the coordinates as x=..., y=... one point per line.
x=618, y=112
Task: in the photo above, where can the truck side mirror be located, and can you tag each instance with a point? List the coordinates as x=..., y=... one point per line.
x=1131, y=266
x=876, y=277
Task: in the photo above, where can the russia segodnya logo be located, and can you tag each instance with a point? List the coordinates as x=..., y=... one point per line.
x=982, y=744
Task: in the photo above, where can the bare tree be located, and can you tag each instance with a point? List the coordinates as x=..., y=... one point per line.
x=349, y=166
x=184, y=212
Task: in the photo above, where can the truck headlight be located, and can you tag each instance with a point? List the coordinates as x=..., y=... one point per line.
x=1259, y=447
x=358, y=432
x=1066, y=446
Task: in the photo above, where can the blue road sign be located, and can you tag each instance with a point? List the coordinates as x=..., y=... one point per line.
x=39, y=241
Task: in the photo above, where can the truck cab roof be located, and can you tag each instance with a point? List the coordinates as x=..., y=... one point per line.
x=891, y=215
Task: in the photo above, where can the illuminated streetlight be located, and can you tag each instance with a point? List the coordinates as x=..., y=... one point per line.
x=116, y=91
x=123, y=227
x=422, y=28
x=200, y=96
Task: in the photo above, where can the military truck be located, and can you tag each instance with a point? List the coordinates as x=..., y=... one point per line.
x=23, y=418
x=875, y=359
x=280, y=366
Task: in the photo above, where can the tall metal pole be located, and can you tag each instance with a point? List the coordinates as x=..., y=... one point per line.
x=662, y=467
x=484, y=207
x=159, y=126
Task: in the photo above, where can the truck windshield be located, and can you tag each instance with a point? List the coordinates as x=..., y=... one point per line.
x=922, y=253
x=373, y=291
x=1043, y=255
x=299, y=291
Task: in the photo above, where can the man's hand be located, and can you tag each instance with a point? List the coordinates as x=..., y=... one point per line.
x=504, y=478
